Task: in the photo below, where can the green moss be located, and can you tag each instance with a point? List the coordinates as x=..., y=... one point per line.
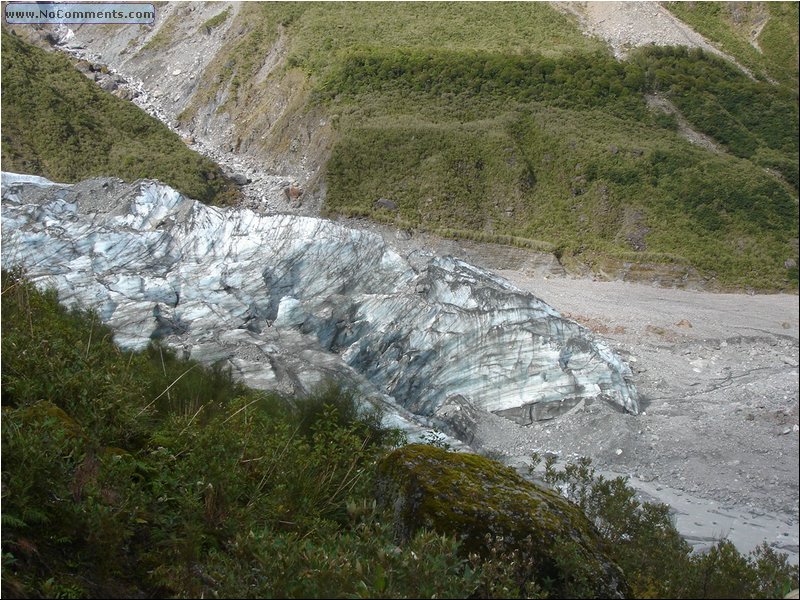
x=45, y=410
x=482, y=502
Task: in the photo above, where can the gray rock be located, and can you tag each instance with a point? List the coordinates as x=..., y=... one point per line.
x=109, y=85
x=125, y=93
x=385, y=203
x=239, y=179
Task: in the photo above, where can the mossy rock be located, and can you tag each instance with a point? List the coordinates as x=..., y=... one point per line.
x=44, y=410
x=489, y=506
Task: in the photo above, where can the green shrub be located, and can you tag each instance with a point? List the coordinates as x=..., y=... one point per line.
x=576, y=80
x=730, y=26
x=128, y=475
x=722, y=102
x=643, y=540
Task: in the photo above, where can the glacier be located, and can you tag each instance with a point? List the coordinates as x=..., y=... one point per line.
x=288, y=302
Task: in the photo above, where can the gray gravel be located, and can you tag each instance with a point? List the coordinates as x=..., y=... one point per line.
x=718, y=379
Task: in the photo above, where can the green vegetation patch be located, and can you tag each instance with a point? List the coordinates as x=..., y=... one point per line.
x=762, y=36
x=642, y=539
x=165, y=36
x=575, y=80
x=60, y=125
x=753, y=119
x=141, y=475
x=321, y=33
x=585, y=182
x=564, y=151
x=216, y=20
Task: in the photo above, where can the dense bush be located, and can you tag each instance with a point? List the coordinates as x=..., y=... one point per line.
x=721, y=101
x=576, y=80
x=771, y=55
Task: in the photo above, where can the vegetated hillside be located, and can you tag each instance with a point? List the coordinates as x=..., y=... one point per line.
x=515, y=128
x=141, y=475
x=58, y=124
x=763, y=36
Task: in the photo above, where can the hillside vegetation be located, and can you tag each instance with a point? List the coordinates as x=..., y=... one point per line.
x=763, y=36
x=516, y=128
x=60, y=125
x=141, y=475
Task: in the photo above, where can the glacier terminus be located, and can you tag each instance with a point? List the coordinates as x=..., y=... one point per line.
x=288, y=302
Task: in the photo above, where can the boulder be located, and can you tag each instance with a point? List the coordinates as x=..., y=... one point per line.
x=487, y=505
x=85, y=67
x=46, y=410
x=293, y=192
x=239, y=179
x=109, y=85
x=125, y=93
x=385, y=203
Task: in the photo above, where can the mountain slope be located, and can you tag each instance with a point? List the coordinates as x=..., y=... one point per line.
x=761, y=35
x=59, y=124
x=515, y=129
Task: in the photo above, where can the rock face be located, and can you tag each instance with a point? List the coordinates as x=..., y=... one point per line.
x=289, y=301
x=480, y=500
